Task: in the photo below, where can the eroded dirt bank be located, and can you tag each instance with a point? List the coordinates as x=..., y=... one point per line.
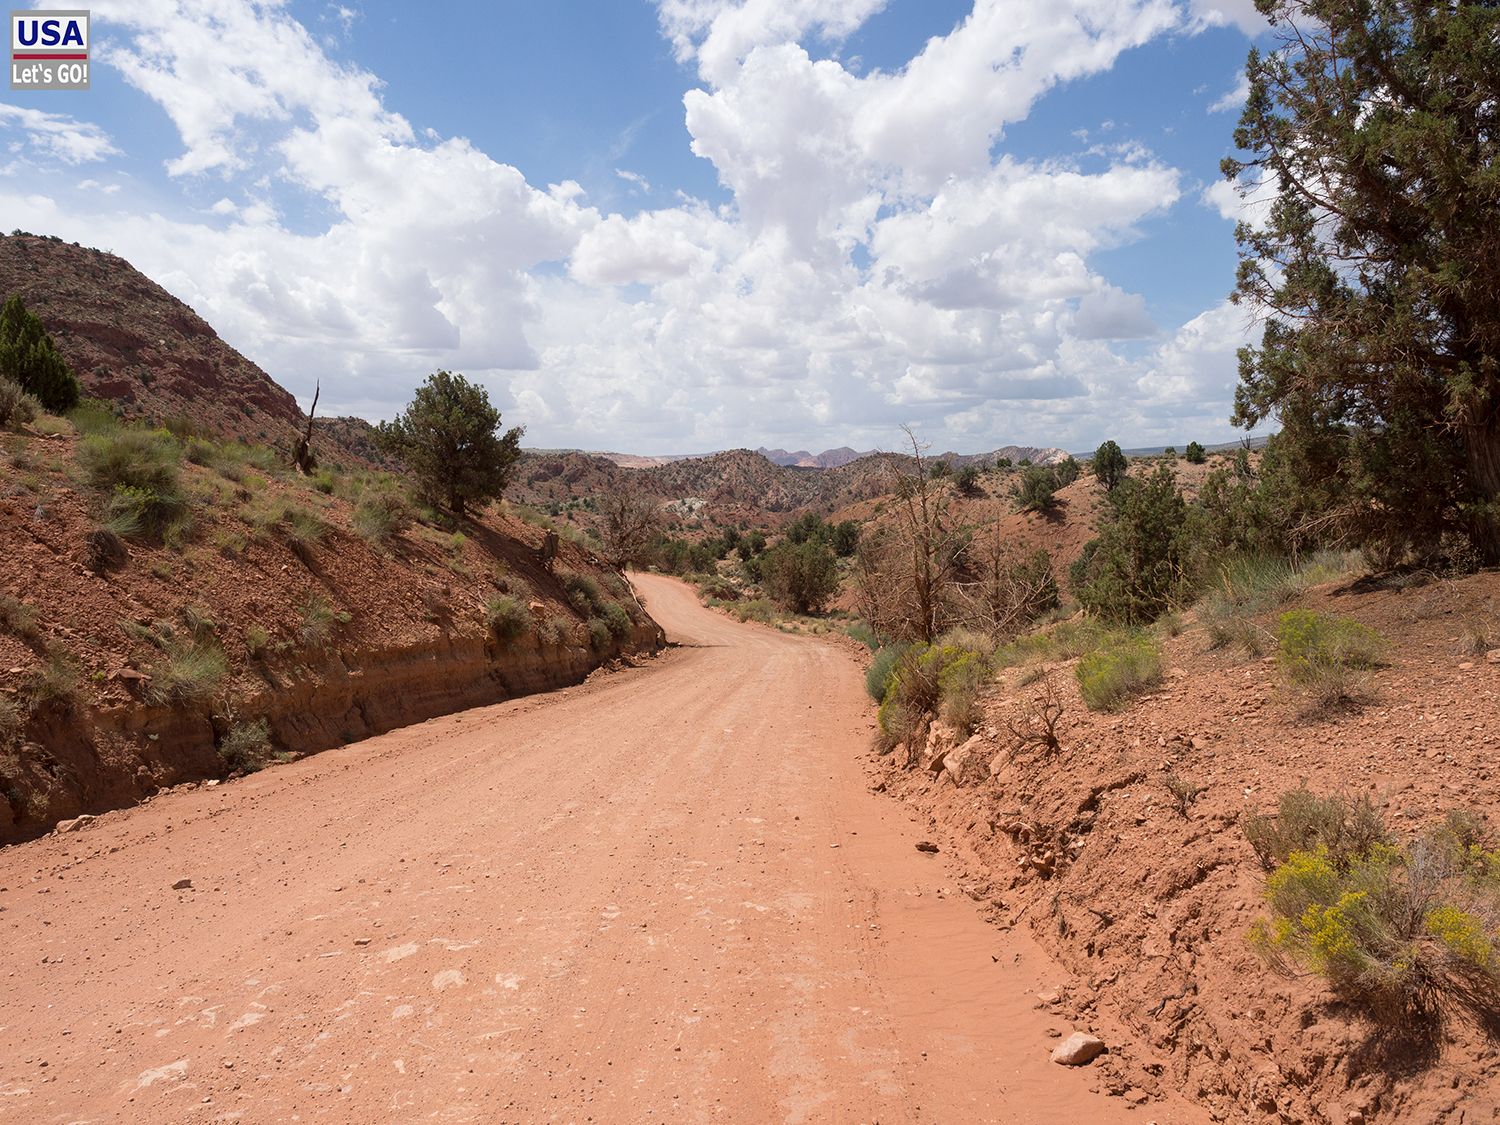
x=664, y=895
x=1148, y=899
x=117, y=756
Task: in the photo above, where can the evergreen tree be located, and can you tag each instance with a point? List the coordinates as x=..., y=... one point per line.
x=29, y=358
x=1376, y=126
x=450, y=440
x=1137, y=567
x=1109, y=465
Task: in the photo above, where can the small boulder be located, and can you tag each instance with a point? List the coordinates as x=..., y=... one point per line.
x=183, y=885
x=1493, y=656
x=75, y=824
x=926, y=846
x=1078, y=1049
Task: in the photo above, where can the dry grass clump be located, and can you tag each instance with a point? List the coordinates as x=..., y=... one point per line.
x=319, y=621
x=1183, y=792
x=189, y=671
x=381, y=516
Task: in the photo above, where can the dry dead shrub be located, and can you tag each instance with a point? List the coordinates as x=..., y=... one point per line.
x=1035, y=728
x=1183, y=792
x=1304, y=822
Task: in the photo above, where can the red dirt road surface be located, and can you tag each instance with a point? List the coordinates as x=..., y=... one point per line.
x=666, y=895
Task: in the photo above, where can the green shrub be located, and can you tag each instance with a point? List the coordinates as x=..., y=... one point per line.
x=1405, y=932
x=881, y=670
x=617, y=620
x=599, y=634
x=800, y=577
x=247, y=747
x=201, y=451
x=716, y=588
x=555, y=630
x=583, y=592
x=1063, y=641
x=860, y=631
x=189, y=672
x=756, y=609
x=1310, y=641
x=1109, y=465
x=941, y=678
x=29, y=358
x=958, y=691
x=1123, y=668
x=507, y=617
x=17, y=408
x=843, y=536
x=1137, y=567
x=1195, y=454
x=1326, y=657
x=1037, y=489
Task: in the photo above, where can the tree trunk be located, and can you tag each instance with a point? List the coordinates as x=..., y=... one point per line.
x=1482, y=441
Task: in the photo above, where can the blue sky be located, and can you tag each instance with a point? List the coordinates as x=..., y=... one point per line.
x=681, y=225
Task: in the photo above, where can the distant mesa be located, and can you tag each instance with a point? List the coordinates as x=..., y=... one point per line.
x=828, y=459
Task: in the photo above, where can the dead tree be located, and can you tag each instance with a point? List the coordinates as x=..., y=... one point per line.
x=904, y=575
x=630, y=519
x=302, y=454
x=547, y=552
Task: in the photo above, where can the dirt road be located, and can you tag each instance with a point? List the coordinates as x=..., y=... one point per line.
x=663, y=896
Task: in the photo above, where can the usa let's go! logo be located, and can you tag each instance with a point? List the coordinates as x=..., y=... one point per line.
x=49, y=50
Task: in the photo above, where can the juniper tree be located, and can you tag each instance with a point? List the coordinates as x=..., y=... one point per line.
x=1372, y=129
x=29, y=358
x=450, y=440
x=1109, y=465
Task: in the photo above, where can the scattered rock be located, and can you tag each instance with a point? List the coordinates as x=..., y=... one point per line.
x=1466, y=666
x=361, y=941
x=1493, y=656
x=1078, y=1049
x=183, y=885
x=75, y=824
x=926, y=846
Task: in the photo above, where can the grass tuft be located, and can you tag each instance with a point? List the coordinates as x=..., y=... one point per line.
x=1119, y=670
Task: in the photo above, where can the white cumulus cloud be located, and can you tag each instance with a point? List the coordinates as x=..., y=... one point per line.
x=877, y=262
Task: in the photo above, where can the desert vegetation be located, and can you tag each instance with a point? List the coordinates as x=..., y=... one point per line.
x=240, y=572
x=1406, y=929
